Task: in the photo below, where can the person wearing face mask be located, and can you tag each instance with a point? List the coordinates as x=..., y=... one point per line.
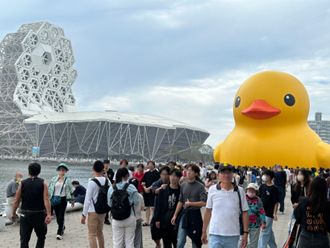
x=12, y=188
x=257, y=215
x=301, y=188
x=268, y=193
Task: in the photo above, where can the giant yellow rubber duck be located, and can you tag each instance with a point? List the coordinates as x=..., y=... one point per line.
x=271, y=110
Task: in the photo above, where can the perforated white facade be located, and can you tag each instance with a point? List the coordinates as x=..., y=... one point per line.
x=44, y=70
x=36, y=76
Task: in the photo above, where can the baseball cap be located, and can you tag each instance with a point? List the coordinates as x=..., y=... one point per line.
x=225, y=166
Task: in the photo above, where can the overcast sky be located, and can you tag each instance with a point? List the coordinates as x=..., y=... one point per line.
x=185, y=60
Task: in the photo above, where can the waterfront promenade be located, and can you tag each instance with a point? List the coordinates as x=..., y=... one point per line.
x=76, y=233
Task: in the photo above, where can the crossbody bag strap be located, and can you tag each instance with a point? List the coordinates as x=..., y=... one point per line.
x=239, y=198
x=63, y=186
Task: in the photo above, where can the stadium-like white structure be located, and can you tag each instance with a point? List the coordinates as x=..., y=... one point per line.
x=37, y=106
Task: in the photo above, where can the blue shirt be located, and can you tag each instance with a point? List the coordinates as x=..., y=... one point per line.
x=80, y=190
x=131, y=190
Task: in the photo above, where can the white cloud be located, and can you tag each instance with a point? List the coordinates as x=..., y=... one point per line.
x=207, y=103
x=185, y=59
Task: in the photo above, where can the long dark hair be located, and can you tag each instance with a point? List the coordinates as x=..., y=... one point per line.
x=211, y=173
x=121, y=172
x=317, y=196
x=306, y=181
x=135, y=182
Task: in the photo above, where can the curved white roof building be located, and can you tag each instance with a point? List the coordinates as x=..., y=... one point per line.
x=36, y=76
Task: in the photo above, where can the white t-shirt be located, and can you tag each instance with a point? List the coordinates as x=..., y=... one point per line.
x=205, y=172
x=201, y=172
x=57, y=190
x=287, y=174
x=137, y=208
x=225, y=211
x=91, y=194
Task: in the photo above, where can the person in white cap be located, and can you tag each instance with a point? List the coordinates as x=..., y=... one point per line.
x=257, y=217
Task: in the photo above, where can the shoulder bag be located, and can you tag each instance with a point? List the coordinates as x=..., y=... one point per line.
x=236, y=188
x=56, y=200
x=241, y=228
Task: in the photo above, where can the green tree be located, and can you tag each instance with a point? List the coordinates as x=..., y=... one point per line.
x=172, y=150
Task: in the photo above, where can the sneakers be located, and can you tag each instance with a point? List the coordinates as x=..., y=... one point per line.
x=282, y=213
x=107, y=222
x=59, y=237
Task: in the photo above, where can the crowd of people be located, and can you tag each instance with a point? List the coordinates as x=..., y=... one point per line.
x=241, y=204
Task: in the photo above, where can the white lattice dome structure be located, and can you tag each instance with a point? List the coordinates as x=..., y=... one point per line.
x=37, y=106
x=44, y=70
x=36, y=74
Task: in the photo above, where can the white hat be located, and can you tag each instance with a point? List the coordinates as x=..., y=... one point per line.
x=252, y=186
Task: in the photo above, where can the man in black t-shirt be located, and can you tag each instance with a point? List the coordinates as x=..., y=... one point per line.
x=280, y=180
x=109, y=174
x=270, y=198
x=108, y=170
x=33, y=192
x=148, y=179
x=165, y=207
x=157, y=186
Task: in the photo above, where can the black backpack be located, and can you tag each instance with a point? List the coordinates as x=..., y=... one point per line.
x=101, y=206
x=120, y=209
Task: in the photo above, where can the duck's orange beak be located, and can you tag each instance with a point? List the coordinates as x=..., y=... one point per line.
x=260, y=110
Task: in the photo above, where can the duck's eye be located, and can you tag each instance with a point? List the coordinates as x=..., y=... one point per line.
x=289, y=100
x=237, y=102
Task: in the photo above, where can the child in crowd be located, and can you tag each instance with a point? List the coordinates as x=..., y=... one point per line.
x=270, y=198
x=137, y=209
x=257, y=217
x=211, y=180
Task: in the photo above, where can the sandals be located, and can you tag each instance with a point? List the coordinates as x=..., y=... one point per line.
x=145, y=224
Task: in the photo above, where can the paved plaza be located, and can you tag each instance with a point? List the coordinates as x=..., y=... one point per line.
x=76, y=233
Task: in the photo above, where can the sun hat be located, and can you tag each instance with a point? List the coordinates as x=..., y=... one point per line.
x=252, y=186
x=62, y=165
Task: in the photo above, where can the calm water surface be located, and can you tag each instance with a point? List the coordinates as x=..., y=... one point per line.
x=8, y=169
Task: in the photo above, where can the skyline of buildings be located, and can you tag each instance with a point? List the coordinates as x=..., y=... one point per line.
x=321, y=127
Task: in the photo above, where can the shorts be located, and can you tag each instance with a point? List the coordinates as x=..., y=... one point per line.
x=156, y=233
x=149, y=200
